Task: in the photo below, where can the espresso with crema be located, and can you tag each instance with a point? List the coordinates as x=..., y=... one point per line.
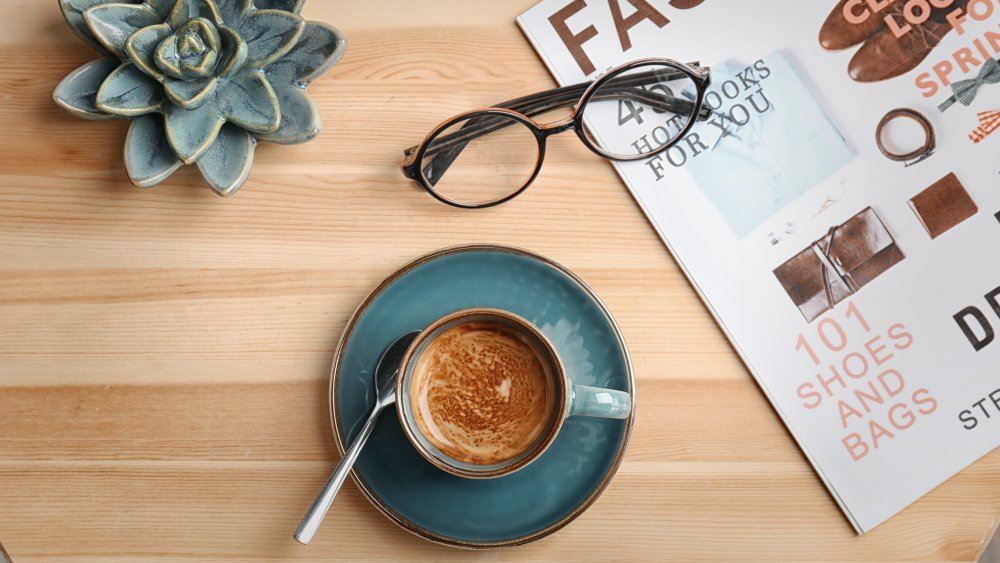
x=481, y=394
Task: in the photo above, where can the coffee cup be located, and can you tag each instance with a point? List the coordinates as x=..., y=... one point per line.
x=482, y=393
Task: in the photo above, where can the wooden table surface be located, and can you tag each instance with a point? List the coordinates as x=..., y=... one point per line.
x=164, y=354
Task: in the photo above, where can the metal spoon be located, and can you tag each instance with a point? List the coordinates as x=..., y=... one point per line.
x=385, y=384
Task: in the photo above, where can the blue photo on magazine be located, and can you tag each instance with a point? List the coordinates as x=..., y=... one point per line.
x=768, y=141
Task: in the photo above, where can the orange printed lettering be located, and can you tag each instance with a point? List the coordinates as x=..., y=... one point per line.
x=877, y=431
x=904, y=420
x=855, y=445
x=929, y=87
x=847, y=411
x=810, y=397
x=922, y=398
x=853, y=17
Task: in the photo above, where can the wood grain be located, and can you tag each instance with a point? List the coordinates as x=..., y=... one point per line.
x=164, y=353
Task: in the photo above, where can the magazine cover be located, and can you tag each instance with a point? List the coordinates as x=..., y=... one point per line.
x=836, y=206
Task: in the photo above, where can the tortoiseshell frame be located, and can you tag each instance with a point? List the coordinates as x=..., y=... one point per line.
x=520, y=110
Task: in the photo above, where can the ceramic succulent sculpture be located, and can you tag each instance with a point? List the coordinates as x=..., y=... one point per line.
x=203, y=81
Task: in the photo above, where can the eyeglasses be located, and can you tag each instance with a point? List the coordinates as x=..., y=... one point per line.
x=633, y=112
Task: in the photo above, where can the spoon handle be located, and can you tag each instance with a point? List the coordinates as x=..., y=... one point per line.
x=314, y=517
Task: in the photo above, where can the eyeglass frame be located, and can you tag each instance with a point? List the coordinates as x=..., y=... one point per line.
x=549, y=100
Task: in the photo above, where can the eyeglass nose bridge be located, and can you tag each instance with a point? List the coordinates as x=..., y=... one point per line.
x=557, y=127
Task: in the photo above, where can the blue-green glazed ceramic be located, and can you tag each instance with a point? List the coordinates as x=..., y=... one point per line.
x=203, y=81
x=513, y=509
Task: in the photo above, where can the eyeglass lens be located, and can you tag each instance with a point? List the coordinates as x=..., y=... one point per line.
x=480, y=159
x=639, y=110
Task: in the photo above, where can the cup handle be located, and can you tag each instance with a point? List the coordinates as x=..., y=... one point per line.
x=599, y=403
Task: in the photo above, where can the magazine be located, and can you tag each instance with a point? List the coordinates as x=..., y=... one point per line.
x=837, y=211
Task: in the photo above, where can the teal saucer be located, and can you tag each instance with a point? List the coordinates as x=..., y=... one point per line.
x=483, y=513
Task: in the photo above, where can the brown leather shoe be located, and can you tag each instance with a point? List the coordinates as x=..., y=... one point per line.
x=838, y=34
x=883, y=56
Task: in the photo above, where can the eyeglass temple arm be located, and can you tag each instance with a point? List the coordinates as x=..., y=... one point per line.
x=573, y=92
x=477, y=127
x=446, y=149
x=449, y=147
x=528, y=105
x=561, y=96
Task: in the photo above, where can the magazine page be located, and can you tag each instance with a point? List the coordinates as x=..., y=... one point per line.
x=853, y=271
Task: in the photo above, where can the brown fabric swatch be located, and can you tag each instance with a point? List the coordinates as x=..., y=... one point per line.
x=943, y=205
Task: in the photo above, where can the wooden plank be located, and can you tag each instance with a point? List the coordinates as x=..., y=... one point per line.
x=164, y=353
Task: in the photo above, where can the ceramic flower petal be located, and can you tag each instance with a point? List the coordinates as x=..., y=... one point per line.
x=190, y=94
x=185, y=10
x=129, y=92
x=233, y=55
x=269, y=35
x=233, y=11
x=78, y=91
x=162, y=7
x=227, y=164
x=112, y=24
x=141, y=46
x=148, y=157
x=249, y=101
x=319, y=48
x=73, y=11
x=192, y=131
x=294, y=6
x=300, y=119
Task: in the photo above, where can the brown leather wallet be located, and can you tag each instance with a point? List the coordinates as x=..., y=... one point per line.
x=943, y=205
x=837, y=265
